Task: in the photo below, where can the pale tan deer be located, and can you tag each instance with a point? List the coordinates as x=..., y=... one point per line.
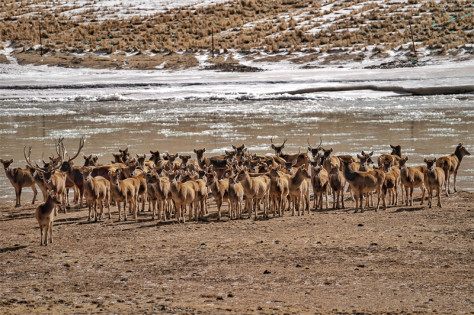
x=183, y=195
x=364, y=182
x=96, y=193
x=45, y=217
x=411, y=178
x=236, y=198
x=450, y=165
x=298, y=185
x=219, y=190
x=395, y=155
x=19, y=178
x=159, y=192
x=434, y=180
x=125, y=191
x=256, y=190
x=279, y=191
x=392, y=179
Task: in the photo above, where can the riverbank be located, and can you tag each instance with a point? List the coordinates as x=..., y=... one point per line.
x=403, y=259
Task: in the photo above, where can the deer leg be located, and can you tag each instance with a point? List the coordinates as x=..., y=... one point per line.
x=41, y=232
x=342, y=198
x=35, y=192
x=455, y=175
x=438, y=190
x=51, y=232
x=18, y=196
x=219, y=205
x=447, y=180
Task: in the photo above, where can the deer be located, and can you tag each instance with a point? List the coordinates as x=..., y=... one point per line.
x=320, y=183
x=411, y=178
x=364, y=182
x=96, y=192
x=314, y=151
x=298, y=185
x=301, y=158
x=19, y=178
x=45, y=217
x=236, y=197
x=240, y=150
x=183, y=195
x=395, y=155
x=125, y=191
x=450, y=165
x=91, y=160
x=74, y=173
x=434, y=180
x=279, y=190
x=220, y=191
x=256, y=190
x=54, y=180
x=392, y=178
x=159, y=193
x=200, y=187
x=337, y=183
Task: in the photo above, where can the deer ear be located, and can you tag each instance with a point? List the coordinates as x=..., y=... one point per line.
x=234, y=147
x=272, y=146
x=425, y=160
x=203, y=150
x=434, y=160
x=195, y=151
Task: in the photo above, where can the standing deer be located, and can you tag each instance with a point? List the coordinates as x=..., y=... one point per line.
x=256, y=190
x=183, y=195
x=125, y=191
x=337, y=183
x=236, y=197
x=220, y=191
x=300, y=158
x=320, y=183
x=450, y=164
x=96, y=193
x=434, y=180
x=19, y=178
x=279, y=191
x=396, y=155
x=411, y=178
x=45, y=217
x=298, y=185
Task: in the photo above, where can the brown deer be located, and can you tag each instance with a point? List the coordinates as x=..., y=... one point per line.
x=19, y=178
x=45, y=217
x=434, y=180
x=411, y=178
x=314, y=151
x=392, y=178
x=236, y=197
x=256, y=190
x=54, y=180
x=364, y=182
x=96, y=193
x=125, y=191
x=330, y=160
x=396, y=155
x=74, y=174
x=200, y=187
x=450, y=165
x=301, y=158
x=91, y=160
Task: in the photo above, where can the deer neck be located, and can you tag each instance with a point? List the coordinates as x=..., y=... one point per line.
x=458, y=154
x=298, y=178
x=348, y=173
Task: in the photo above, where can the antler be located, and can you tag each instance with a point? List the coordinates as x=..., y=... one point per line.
x=309, y=144
x=284, y=142
x=28, y=160
x=81, y=145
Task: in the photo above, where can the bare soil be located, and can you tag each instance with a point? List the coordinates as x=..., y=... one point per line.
x=398, y=260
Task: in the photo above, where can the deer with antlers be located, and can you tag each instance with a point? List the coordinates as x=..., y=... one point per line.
x=19, y=178
x=54, y=180
x=74, y=173
x=314, y=151
x=300, y=158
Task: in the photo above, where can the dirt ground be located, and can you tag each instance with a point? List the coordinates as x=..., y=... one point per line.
x=401, y=260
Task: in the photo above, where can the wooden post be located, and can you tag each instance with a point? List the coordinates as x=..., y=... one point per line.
x=412, y=40
x=212, y=38
x=39, y=26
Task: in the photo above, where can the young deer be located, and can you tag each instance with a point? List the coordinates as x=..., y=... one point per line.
x=320, y=183
x=392, y=178
x=434, y=180
x=183, y=195
x=298, y=185
x=19, y=178
x=160, y=195
x=45, y=217
x=450, y=165
x=411, y=178
x=220, y=191
x=337, y=183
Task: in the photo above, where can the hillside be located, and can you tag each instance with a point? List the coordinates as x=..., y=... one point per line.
x=156, y=34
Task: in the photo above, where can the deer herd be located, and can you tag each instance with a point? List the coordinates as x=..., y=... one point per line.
x=176, y=185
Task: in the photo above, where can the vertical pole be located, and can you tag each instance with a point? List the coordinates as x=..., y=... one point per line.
x=39, y=26
x=412, y=40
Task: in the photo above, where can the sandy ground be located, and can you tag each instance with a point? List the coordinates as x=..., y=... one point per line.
x=401, y=260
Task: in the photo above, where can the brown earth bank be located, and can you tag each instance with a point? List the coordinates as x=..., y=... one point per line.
x=399, y=260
